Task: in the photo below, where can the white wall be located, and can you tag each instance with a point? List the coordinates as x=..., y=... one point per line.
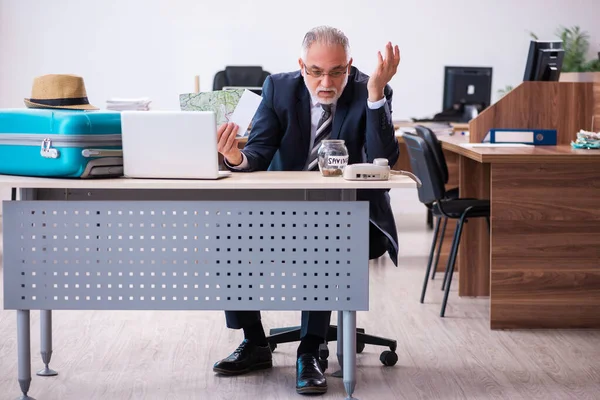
x=154, y=48
x=4, y=195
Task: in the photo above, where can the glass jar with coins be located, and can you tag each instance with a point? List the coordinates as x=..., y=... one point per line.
x=332, y=157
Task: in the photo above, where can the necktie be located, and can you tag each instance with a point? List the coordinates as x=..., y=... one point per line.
x=323, y=132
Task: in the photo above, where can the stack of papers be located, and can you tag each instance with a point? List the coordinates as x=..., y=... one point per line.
x=586, y=140
x=118, y=104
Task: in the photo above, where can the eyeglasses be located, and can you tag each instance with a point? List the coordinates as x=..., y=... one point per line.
x=332, y=74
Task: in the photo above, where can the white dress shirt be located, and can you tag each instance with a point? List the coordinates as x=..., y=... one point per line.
x=315, y=115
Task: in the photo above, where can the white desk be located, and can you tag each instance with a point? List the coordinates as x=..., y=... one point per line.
x=255, y=180
x=253, y=241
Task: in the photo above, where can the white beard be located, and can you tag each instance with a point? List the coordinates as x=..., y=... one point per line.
x=336, y=94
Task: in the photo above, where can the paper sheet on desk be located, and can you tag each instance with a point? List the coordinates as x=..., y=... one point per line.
x=245, y=110
x=495, y=145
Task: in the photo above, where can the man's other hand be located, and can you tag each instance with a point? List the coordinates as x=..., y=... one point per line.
x=385, y=70
x=227, y=143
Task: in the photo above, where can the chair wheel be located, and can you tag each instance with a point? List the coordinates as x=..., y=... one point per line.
x=359, y=347
x=272, y=346
x=388, y=358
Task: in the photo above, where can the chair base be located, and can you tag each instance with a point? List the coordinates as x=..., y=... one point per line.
x=292, y=334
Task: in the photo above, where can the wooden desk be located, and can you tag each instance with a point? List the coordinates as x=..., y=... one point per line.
x=529, y=154
x=542, y=266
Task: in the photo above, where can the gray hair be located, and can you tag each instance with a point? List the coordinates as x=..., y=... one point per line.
x=325, y=35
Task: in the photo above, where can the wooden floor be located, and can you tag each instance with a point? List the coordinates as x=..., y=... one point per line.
x=169, y=355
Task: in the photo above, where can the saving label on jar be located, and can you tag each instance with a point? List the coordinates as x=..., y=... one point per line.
x=337, y=161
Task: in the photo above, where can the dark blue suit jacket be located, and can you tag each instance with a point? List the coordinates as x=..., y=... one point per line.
x=280, y=136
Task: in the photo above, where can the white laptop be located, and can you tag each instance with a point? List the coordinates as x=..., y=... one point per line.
x=170, y=145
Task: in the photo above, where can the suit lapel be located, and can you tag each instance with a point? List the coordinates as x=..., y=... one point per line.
x=303, y=113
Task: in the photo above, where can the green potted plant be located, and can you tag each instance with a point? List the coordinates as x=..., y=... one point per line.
x=504, y=91
x=576, y=67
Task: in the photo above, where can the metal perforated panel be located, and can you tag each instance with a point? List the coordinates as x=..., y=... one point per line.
x=228, y=255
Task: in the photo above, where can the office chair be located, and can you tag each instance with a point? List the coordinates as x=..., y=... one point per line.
x=432, y=191
x=432, y=140
x=434, y=144
x=292, y=334
x=249, y=76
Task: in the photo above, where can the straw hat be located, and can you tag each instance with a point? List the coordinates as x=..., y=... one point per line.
x=59, y=91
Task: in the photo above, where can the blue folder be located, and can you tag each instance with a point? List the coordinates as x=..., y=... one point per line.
x=537, y=137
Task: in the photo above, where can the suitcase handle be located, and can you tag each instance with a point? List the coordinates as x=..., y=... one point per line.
x=101, y=153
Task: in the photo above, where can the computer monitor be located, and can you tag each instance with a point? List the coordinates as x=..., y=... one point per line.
x=467, y=92
x=467, y=85
x=544, y=60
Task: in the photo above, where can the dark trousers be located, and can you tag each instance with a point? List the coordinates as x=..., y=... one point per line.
x=314, y=323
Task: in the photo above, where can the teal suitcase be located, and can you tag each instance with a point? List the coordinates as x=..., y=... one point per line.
x=60, y=143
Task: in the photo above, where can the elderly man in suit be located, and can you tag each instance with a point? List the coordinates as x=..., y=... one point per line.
x=327, y=98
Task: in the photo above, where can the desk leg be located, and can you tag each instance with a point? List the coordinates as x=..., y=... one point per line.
x=473, y=260
x=46, y=342
x=340, y=345
x=349, y=367
x=24, y=352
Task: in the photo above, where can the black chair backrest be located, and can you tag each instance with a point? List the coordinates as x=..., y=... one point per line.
x=425, y=168
x=436, y=147
x=252, y=76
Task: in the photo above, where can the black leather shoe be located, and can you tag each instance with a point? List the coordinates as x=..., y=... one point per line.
x=247, y=357
x=309, y=375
